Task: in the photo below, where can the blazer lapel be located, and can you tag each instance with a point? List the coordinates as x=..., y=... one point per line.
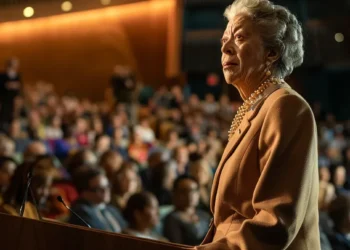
x=230, y=147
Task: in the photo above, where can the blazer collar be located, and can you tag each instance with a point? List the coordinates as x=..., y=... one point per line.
x=236, y=138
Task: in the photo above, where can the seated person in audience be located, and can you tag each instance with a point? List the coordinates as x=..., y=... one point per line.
x=64, y=186
x=7, y=146
x=339, y=211
x=63, y=147
x=339, y=180
x=92, y=204
x=186, y=224
x=111, y=161
x=327, y=190
x=102, y=145
x=34, y=149
x=119, y=143
x=201, y=172
x=161, y=180
x=142, y=214
x=7, y=169
x=54, y=130
x=43, y=174
x=181, y=159
x=126, y=182
x=138, y=150
x=146, y=132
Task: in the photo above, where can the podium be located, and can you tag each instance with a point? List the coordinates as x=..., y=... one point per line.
x=18, y=233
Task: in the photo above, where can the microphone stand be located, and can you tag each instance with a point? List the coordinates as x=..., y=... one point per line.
x=25, y=197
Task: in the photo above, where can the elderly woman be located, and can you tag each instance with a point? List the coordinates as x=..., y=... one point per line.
x=265, y=191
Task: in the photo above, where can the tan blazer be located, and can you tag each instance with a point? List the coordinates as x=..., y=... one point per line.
x=265, y=190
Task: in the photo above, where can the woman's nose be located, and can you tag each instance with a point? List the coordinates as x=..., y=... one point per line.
x=227, y=48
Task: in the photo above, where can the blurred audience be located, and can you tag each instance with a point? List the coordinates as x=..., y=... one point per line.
x=116, y=161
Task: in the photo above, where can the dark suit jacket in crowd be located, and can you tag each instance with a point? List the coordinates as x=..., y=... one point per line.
x=89, y=213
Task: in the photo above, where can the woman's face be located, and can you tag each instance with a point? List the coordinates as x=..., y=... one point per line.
x=243, y=54
x=150, y=214
x=128, y=182
x=187, y=194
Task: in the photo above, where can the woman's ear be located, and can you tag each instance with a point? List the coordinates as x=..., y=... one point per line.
x=272, y=56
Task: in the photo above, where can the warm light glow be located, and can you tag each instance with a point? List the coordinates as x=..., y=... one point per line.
x=105, y=2
x=28, y=12
x=66, y=6
x=339, y=37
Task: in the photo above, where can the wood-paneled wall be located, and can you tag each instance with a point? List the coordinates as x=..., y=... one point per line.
x=77, y=51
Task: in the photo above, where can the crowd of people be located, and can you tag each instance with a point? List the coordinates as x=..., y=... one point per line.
x=150, y=175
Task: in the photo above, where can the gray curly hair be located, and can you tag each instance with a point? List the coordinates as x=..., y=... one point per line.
x=280, y=31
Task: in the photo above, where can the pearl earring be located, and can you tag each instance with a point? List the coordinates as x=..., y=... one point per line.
x=268, y=73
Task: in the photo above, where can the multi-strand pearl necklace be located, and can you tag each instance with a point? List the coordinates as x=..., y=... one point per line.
x=248, y=103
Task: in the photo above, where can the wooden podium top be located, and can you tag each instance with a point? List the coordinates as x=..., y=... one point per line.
x=27, y=234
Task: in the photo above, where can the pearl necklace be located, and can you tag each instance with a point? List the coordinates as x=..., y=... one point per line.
x=248, y=103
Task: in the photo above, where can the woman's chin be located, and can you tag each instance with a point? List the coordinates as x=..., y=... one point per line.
x=230, y=78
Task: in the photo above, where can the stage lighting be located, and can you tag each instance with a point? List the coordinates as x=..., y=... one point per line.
x=339, y=37
x=28, y=12
x=66, y=6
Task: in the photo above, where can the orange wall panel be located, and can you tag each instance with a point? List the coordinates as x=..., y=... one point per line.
x=77, y=51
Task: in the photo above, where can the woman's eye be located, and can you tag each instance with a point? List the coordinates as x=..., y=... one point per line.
x=223, y=40
x=239, y=37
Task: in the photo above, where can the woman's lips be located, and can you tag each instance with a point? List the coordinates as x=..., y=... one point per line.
x=229, y=65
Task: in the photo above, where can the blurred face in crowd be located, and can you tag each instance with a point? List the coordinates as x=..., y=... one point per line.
x=52, y=101
x=200, y=170
x=7, y=146
x=339, y=176
x=194, y=100
x=170, y=176
x=118, y=134
x=34, y=149
x=82, y=126
x=127, y=182
x=112, y=163
x=34, y=119
x=182, y=155
x=89, y=157
x=145, y=123
x=7, y=170
x=15, y=128
x=56, y=122
x=186, y=194
x=149, y=216
x=98, y=125
x=325, y=174
x=103, y=144
x=243, y=53
x=173, y=136
x=224, y=100
x=99, y=190
x=117, y=121
x=209, y=98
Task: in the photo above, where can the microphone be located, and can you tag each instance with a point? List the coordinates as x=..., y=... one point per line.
x=59, y=198
x=25, y=196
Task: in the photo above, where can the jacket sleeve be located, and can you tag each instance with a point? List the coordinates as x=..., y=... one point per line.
x=288, y=163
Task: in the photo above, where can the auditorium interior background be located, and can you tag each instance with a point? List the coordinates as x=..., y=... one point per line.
x=121, y=108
